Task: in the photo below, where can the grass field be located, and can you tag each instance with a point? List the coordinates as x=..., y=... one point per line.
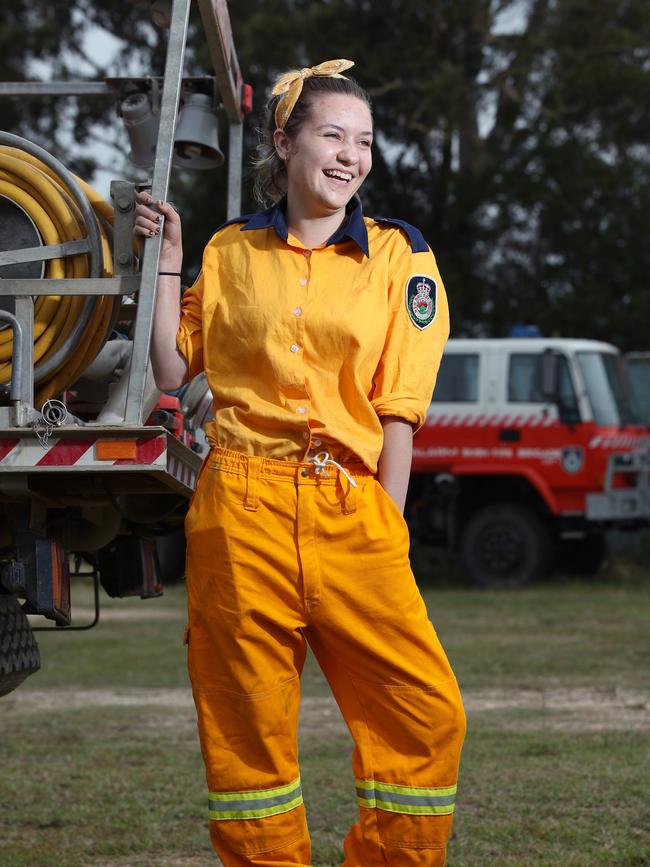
x=99, y=762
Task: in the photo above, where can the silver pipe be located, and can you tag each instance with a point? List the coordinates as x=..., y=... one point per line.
x=235, y=156
x=16, y=392
x=159, y=186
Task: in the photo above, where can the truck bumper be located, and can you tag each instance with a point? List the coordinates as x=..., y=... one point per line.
x=76, y=456
x=623, y=504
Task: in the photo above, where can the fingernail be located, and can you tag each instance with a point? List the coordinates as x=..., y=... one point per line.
x=158, y=219
x=151, y=232
x=157, y=232
x=160, y=202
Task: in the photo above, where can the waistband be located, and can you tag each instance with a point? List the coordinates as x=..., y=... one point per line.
x=302, y=472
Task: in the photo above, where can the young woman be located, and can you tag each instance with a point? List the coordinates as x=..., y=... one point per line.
x=320, y=332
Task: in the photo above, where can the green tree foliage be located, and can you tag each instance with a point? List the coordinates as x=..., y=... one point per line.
x=47, y=40
x=514, y=133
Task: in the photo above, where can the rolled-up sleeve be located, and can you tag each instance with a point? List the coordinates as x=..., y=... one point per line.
x=418, y=329
x=189, y=337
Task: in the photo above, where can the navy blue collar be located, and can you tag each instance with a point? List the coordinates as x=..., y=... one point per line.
x=352, y=227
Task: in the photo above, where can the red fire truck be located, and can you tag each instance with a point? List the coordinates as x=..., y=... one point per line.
x=531, y=449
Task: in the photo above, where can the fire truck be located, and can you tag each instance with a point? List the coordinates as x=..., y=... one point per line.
x=96, y=465
x=531, y=450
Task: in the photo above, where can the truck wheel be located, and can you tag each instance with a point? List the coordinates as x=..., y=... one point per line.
x=504, y=545
x=19, y=656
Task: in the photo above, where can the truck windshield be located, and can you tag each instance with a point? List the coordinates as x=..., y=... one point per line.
x=607, y=388
x=638, y=368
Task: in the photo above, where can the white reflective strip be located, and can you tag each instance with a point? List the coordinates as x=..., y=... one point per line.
x=182, y=472
x=26, y=453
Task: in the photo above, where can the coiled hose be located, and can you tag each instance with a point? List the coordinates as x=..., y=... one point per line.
x=62, y=349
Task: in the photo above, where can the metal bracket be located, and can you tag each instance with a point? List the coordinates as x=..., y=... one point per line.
x=123, y=196
x=71, y=286
x=71, y=627
x=50, y=251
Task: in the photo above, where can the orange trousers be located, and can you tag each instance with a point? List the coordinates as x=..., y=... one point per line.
x=279, y=556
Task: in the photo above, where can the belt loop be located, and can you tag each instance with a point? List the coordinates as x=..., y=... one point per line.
x=253, y=468
x=349, y=496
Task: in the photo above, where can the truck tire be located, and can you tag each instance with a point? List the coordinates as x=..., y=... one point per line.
x=19, y=656
x=505, y=545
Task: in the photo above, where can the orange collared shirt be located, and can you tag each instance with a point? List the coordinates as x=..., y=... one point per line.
x=308, y=348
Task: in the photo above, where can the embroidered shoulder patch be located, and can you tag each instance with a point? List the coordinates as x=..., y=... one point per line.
x=421, y=300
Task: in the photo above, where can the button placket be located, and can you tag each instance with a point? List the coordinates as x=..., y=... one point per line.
x=297, y=311
x=296, y=347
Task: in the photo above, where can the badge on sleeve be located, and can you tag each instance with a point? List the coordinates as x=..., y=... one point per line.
x=421, y=300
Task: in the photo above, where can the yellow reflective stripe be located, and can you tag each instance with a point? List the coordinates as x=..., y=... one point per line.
x=405, y=790
x=413, y=800
x=410, y=809
x=220, y=815
x=256, y=804
x=252, y=796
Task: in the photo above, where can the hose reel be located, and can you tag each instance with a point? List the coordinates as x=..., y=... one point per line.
x=43, y=204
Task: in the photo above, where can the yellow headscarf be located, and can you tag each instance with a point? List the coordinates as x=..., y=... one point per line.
x=290, y=85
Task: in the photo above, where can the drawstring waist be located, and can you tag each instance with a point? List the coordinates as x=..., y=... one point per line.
x=313, y=471
x=320, y=462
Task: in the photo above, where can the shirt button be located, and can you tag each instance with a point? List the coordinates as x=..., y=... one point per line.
x=317, y=443
x=301, y=409
x=306, y=252
x=304, y=472
x=303, y=281
x=297, y=311
x=305, y=435
x=295, y=347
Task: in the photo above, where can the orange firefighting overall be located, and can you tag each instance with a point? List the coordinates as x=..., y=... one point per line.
x=291, y=539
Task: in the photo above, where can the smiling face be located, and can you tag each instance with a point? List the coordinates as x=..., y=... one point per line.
x=330, y=156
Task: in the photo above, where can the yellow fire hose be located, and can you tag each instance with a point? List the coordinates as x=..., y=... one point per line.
x=44, y=197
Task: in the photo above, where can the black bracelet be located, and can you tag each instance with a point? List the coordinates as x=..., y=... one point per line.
x=169, y=273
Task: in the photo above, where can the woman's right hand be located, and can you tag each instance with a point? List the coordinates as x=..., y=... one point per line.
x=148, y=222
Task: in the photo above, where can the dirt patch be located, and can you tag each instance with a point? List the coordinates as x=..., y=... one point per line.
x=145, y=861
x=579, y=709
x=30, y=700
x=81, y=616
